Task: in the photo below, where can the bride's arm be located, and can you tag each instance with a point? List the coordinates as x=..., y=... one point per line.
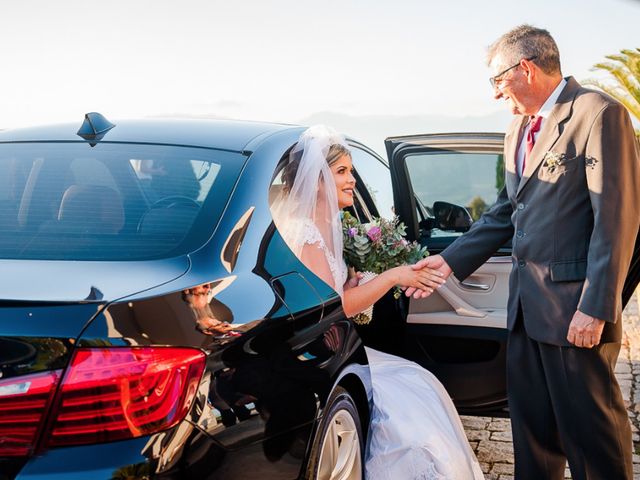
x=355, y=298
x=358, y=298
x=314, y=259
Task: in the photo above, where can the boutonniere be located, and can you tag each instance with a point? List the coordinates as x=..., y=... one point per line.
x=553, y=160
x=591, y=162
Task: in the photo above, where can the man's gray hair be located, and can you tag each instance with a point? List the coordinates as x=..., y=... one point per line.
x=526, y=41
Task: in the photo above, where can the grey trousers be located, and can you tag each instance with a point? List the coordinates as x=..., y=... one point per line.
x=565, y=404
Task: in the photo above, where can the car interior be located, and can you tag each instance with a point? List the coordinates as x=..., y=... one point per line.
x=100, y=206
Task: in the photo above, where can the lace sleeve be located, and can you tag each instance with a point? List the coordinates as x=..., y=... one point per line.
x=315, y=259
x=311, y=235
x=307, y=242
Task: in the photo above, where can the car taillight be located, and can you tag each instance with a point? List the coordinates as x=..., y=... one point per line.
x=116, y=393
x=23, y=401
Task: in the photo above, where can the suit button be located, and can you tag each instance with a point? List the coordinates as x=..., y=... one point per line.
x=519, y=234
x=521, y=263
x=521, y=206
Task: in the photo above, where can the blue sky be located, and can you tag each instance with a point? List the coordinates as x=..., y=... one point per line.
x=281, y=60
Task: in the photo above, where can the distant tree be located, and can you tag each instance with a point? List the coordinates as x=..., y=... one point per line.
x=477, y=206
x=499, y=174
x=136, y=471
x=625, y=70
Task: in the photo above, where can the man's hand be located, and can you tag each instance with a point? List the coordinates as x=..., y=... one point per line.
x=435, y=262
x=585, y=331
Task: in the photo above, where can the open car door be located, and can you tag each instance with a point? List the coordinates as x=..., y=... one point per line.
x=459, y=332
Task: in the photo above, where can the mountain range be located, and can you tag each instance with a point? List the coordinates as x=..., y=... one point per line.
x=373, y=129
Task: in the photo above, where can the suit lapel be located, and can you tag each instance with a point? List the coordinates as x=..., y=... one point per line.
x=511, y=142
x=547, y=137
x=550, y=131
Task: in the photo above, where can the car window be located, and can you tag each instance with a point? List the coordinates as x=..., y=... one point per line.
x=164, y=177
x=468, y=179
x=376, y=178
x=68, y=201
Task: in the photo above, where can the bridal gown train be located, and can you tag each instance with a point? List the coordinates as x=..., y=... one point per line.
x=415, y=432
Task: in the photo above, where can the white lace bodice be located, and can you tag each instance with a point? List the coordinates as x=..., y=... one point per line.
x=312, y=236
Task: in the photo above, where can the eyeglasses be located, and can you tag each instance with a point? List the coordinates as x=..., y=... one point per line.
x=496, y=79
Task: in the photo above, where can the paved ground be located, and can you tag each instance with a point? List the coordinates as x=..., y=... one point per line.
x=490, y=438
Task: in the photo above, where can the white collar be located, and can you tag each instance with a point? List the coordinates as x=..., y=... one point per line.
x=545, y=109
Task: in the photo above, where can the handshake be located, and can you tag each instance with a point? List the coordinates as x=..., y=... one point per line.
x=438, y=271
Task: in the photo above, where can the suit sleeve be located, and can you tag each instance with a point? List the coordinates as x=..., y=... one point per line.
x=492, y=230
x=613, y=179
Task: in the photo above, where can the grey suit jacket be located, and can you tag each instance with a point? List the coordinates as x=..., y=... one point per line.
x=573, y=217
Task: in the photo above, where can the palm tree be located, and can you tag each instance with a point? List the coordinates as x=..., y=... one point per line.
x=625, y=69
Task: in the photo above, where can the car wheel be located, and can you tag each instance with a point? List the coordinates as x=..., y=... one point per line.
x=339, y=444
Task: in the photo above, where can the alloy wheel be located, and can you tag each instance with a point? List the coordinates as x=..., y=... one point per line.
x=340, y=455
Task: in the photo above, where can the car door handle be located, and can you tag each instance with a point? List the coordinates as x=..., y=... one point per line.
x=475, y=286
x=461, y=307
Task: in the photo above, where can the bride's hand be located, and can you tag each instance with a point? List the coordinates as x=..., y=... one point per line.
x=426, y=279
x=353, y=280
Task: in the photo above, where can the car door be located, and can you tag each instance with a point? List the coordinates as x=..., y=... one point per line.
x=458, y=333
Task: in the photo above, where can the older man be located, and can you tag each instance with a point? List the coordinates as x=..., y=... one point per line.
x=571, y=206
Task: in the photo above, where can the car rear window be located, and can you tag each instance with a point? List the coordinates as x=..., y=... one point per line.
x=71, y=201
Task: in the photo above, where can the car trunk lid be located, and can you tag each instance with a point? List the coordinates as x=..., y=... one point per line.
x=84, y=281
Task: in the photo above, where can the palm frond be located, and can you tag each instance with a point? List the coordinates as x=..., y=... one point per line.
x=624, y=75
x=624, y=67
x=619, y=94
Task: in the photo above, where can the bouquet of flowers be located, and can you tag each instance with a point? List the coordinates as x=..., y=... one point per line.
x=372, y=248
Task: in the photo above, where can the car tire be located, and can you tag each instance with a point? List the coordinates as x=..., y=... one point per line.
x=337, y=452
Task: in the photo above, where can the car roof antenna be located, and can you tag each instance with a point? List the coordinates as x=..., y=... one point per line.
x=94, y=127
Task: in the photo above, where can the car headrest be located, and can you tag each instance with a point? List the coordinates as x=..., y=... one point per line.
x=94, y=208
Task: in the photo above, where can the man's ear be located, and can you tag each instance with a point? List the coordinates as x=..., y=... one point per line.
x=529, y=69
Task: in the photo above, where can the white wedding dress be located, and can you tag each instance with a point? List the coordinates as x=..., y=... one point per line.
x=415, y=432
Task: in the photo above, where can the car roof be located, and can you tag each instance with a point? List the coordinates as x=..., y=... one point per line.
x=233, y=135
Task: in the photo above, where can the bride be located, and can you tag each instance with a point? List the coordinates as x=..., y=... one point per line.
x=416, y=435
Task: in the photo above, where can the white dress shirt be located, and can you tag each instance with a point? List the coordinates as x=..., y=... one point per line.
x=544, y=112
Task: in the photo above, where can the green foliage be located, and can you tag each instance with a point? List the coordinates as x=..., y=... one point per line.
x=136, y=471
x=625, y=70
x=477, y=207
x=499, y=174
x=379, y=245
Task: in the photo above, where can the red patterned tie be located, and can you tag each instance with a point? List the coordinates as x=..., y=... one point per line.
x=534, y=127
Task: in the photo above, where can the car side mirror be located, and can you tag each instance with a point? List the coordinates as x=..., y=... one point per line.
x=451, y=217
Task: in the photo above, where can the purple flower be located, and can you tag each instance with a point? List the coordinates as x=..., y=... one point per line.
x=374, y=233
x=352, y=232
